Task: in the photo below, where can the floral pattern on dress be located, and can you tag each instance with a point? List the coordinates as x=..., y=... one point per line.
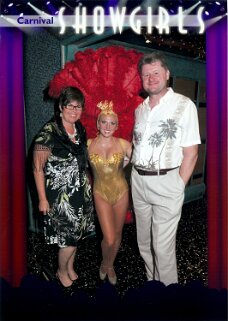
x=71, y=215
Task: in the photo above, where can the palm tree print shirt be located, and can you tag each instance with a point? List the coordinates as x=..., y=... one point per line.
x=161, y=133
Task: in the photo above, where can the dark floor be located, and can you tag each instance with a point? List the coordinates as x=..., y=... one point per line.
x=40, y=297
x=191, y=255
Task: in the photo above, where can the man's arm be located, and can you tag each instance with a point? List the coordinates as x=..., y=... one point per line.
x=128, y=153
x=189, y=161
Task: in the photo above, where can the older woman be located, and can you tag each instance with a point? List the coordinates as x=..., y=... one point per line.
x=63, y=188
x=110, y=189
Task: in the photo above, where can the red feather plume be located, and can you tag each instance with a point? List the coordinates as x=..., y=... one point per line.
x=108, y=73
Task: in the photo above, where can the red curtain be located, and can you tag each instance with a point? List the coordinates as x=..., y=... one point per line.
x=217, y=153
x=12, y=152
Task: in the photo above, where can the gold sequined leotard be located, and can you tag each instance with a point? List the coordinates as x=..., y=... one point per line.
x=109, y=179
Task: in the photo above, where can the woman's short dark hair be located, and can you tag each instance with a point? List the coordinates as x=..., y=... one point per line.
x=151, y=58
x=69, y=94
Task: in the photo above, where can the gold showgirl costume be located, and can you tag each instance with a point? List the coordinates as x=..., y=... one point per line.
x=109, y=179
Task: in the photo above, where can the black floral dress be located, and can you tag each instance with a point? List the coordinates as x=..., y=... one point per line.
x=71, y=215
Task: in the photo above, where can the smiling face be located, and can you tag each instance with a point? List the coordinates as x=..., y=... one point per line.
x=107, y=124
x=154, y=78
x=71, y=112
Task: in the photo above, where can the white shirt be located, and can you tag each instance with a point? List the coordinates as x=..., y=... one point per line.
x=161, y=133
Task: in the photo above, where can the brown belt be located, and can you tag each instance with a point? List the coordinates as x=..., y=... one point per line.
x=154, y=173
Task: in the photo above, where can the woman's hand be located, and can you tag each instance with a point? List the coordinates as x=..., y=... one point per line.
x=44, y=206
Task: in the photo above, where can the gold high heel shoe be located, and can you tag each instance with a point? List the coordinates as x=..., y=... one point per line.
x=102, y=275
x=112, y=279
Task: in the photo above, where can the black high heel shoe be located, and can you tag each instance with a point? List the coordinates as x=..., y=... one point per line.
x=47, y=274
x=65, y=286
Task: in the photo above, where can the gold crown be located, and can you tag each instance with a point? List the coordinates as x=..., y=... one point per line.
x=106, y=107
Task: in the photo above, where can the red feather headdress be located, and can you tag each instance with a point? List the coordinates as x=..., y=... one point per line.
x=108, y=73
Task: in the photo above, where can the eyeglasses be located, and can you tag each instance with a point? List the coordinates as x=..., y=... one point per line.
x=71, y=107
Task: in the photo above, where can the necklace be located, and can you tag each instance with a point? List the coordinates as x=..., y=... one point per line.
x=72, y=136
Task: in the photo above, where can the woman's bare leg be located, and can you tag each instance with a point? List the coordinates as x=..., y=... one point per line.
x=111, y=219
x=70, y=267
x=106, y=219
x=63, y=260
x=120, y=210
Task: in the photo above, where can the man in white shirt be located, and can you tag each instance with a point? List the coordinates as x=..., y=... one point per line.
x=166, y=138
